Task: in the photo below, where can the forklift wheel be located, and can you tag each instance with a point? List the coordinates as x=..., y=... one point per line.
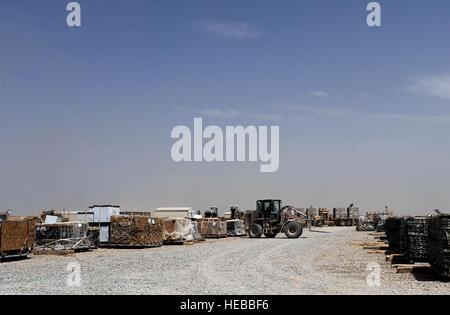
x=255, y=231
x=293, y=230
x=319, y=223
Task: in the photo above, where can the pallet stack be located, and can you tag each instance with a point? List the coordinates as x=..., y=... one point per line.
x=439, y=243
x=136, y=231
x=416, y=245
x=213, y=228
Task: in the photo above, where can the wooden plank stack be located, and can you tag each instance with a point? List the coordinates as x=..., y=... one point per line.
x=439, y=243
x=136, y=231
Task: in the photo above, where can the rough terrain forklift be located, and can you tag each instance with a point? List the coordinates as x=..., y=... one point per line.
x=270, y=218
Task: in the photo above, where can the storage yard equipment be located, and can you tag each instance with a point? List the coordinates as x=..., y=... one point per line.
x=16, y=237
x=270, y=218
x=63, y=236
x=439, y=243
x=324, y=218
x=213, y=228
x=234, y=213
x=136, y=231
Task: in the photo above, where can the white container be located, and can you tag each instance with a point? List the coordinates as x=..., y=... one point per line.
x=104, y=234
x=51, y=219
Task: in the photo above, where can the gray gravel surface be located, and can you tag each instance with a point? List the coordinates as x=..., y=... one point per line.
x=320, y=262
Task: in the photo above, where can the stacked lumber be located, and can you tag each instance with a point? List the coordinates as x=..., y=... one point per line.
x=16, y=236
x=416, y=247
x=140, y=231
x=213, y=228
x=439, y=243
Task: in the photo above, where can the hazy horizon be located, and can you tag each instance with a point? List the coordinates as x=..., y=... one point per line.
x=86, y=113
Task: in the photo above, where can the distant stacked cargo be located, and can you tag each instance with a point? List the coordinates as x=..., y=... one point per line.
x=353, y=213
x=439, y=243
x=339, y=213
x=100, y=216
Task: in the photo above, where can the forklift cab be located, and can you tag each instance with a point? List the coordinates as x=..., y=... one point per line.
x=268, y=209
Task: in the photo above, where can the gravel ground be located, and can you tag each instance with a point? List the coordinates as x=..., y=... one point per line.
x=320, y=262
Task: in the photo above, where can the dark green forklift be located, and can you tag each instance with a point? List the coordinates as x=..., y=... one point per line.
x=270, y=218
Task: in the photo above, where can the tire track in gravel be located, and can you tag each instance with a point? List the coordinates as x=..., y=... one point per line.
x=265, y=266
x=255, y=265
x=212, y=269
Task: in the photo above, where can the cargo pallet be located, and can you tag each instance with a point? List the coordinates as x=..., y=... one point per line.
x=5, y=255
x=177, y=243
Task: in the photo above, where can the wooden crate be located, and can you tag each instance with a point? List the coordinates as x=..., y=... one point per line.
x=136, y=231
x=16, y=237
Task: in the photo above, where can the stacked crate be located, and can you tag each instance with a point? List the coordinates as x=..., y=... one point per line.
x=439, y=243
x=213, y=228
x=16, y=237
x=416, y=247
x=339, y=213
x=136, y=231
x=353, y=213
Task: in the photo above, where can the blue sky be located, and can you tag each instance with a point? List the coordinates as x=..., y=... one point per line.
x=86, y=113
